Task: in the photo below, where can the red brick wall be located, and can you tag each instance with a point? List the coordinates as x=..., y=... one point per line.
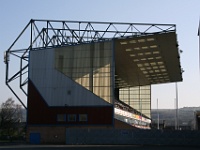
x=48, y=135
x=40, y=113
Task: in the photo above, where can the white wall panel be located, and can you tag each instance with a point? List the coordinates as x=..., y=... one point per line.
x=56, y=88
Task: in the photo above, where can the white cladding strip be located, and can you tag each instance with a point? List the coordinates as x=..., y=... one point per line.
x=131, y=115
x=56, y=88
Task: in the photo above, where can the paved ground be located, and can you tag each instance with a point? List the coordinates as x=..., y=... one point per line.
x=94, y=147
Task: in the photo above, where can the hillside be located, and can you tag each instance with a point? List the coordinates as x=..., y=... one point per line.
x=186, y=116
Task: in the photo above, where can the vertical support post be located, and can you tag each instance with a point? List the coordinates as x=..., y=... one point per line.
x=195, y=120
x=43, y=35
x=31, y=40
x=20, y=79
x=158, y=119
x=79, y=31
x=112, y=69
x=140, y=100
x=92, y=69
x=177, y=118
x=63, y=27
x=140, y=105
x=141, y=111
x=129, y=98
x=47, y=29
x=199, y=43
x=6, y=59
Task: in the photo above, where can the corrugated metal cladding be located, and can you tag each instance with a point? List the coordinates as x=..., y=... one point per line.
x=138, y=97
x=55, y=87
x=88, y=65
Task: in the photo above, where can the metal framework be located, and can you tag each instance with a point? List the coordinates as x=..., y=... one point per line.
x=53, y=33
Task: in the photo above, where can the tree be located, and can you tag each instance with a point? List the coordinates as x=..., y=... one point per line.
x=10, y=117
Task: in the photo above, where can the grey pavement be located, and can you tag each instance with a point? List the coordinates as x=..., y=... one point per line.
x=94, y=147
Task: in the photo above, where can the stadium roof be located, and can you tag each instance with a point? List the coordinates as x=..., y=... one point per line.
x=147, y=60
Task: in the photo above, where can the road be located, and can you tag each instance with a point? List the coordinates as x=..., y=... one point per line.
x=94, y=147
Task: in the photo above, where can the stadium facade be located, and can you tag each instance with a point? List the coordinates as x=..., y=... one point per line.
x=91, y=74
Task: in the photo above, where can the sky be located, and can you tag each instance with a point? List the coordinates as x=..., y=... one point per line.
x=14, y=16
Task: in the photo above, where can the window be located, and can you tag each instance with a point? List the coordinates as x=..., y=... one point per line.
x=140, y=54
x=136, y=48
x=141, y=40
x=153, y=46
x=72, y=117
x=156, y=52
x=150, y=39
x=61, y=117
x=132, y=41
x=132, y=55
x=136, y=60
x=148, y=53
x=144, y=47
x=139, y=65
x=122, y=43
x=128, y=50
x=83, y=117
x=143, y=59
